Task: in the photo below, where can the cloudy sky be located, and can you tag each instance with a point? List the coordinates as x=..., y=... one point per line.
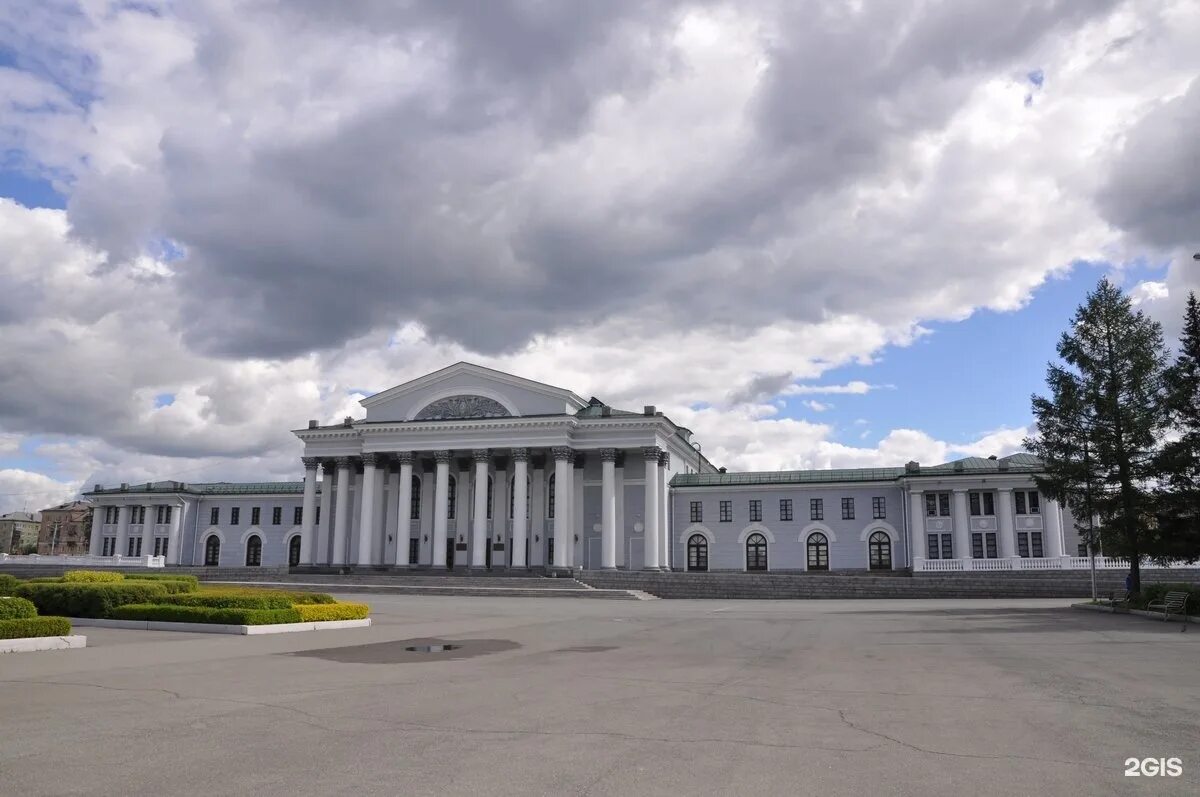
x=818, y=233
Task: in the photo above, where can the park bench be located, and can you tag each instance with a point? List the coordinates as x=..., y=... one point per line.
x=1117, y=599
x=1172, y=603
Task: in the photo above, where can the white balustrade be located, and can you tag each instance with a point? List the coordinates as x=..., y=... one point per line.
x=85, y=560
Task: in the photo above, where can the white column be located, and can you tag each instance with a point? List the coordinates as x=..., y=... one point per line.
x=664, y=530
x=650, y=513
x=479, y=535
x=148, y=529
x=389, y=485
x=366, y=525
x=122, y=543
x=174, y=543
x=1052, y=522
x=537, y=521
x=95, y=542
x=520, y=457
x=441, y=492
x=1007, y=531
x=499, y=530
x=404, y=508
x=608, y=508
x=320, y=552
x=962, y=524
x=622, y=545
x=341, y=518
x=308, y=508
x=916, y=529
x=576, y=533
x=564, y=472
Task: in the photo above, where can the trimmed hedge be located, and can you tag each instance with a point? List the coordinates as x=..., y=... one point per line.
x=221, y=600
x=16, y=609
x=34, y=627
x=294, y=597
x=8, y=583
x=89, y=600
x=309, y=598
x=204, y=614
x=168, y=576
x=171, y=585
x=1154, y=593
x=92, y=577
x=313, y=613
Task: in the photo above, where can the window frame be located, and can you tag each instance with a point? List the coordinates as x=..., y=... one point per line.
x=755, y=510
x=695, y=511
x=847, y=508
x=879, y=507
x=816, y=543
x=726, y=510
x=785, y=510
x=816, y=509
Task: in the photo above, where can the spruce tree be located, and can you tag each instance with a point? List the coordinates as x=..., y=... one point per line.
x=1178, y=532
x=1106, y=399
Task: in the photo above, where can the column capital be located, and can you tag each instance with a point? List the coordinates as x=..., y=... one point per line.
x=343, y=462
x=371, y=459
x=664, y=459
x=651, y=453
x=310, y=463
x=442, y=456
x=1005, y=489
x=519, y=454
x=562, y=453
x=959, y=490
x=608, y=455
x=481, y=455
x=405, y=457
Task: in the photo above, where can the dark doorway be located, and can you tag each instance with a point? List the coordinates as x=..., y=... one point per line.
x=294, y=551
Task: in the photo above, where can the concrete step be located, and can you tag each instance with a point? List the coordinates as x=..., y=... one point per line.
x=499, y=591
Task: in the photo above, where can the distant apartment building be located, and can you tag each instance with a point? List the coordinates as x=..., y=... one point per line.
x=19, y=532
x=65, y=529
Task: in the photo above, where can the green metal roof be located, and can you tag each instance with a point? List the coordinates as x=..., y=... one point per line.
x=207, y=488
x=787, y=477
x=1014, y=463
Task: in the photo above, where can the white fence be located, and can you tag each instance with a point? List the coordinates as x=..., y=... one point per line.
x=85, y=561
x=1031, y=563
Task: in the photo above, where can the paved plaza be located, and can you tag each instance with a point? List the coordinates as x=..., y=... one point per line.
x=558, y=697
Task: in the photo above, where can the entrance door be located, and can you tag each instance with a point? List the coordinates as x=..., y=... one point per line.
x=450, y=554
x=487, y=553
x=549, y=551
x=294, y=551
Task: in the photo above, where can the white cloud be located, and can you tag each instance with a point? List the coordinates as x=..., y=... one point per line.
x=1148, y=291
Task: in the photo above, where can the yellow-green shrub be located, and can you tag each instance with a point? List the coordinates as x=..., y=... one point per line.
x=16, y=609
x=34, y=626
x=320, y=612
x=167, y=576
x=91, y=576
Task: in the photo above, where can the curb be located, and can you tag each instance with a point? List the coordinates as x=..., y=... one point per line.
x=216, y=628
x=34, y=643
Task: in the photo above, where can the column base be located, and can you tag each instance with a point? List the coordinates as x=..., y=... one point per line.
x=609, y=567
x=654, y=569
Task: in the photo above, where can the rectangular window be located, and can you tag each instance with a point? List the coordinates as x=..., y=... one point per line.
x=932, y=542
x=937, y=504
x=879, y=507
x=415, y=510
x=135, y=546
x=785, y=509
x=1083, y=549
x=111, y=514
x=317, y=516
x=255, y=515
x=160, y=546
x=235, y=515
x=297, y=516
x=1035, y=504
x=696, y=509
x=110, y=546
x=413, y=547
x=983, y=545
x=982, y=504
x=1019, y=496
x=1035, y=540
x=1027, y=502
x=727, y=511
x=1022, y=544
x=816, y=508
x=977, y=546
x=974, y=504
x=947, y=546
x=847, y=509
x=277, y=515
x=755, y=510
x=214, y=516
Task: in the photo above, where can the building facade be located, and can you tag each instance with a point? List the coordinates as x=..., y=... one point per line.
x=65, y=529
x=471, y=467
x=19, y=532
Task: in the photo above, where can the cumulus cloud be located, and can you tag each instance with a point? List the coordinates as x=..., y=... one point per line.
x=699, y=205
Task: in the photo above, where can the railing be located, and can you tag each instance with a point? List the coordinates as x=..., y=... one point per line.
x=85, y=560
x=1034, y=563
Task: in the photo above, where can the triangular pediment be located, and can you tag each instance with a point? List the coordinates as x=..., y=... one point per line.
x=466, y=390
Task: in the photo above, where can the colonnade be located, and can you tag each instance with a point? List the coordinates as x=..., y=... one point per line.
x=960, y=523
x=338, y=473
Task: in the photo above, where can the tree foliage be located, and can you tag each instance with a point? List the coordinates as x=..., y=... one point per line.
x=1178, y=531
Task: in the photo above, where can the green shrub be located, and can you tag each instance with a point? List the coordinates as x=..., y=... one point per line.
x=313, y=613
x=308, y=598
x=92, y=577
x=221, y=600
x=171, y=585
x=16, y=609
x=294, y=597
x=204, y=614
x=1154, y=593
x=8, y=583
x=167, y=576
x=89, y=600
x=44, y=580
x=34, y=626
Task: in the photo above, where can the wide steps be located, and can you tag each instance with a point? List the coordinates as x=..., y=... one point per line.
x=574, y=590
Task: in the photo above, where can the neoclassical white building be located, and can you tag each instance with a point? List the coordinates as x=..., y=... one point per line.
x=472, y=467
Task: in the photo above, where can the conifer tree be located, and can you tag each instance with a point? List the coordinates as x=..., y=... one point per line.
x=1178, y=531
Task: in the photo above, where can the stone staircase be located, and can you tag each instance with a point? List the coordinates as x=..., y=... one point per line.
x=491, y=585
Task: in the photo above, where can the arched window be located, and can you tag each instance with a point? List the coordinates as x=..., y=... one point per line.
x=451, y=495
x=254, y=551
x=212, y=551
x=818, y=551
x=294, y=551
x=550, y=497
x=880, y=548
x=697, y=553
x=756, y=552
x=491, y=494
x=414, y=512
